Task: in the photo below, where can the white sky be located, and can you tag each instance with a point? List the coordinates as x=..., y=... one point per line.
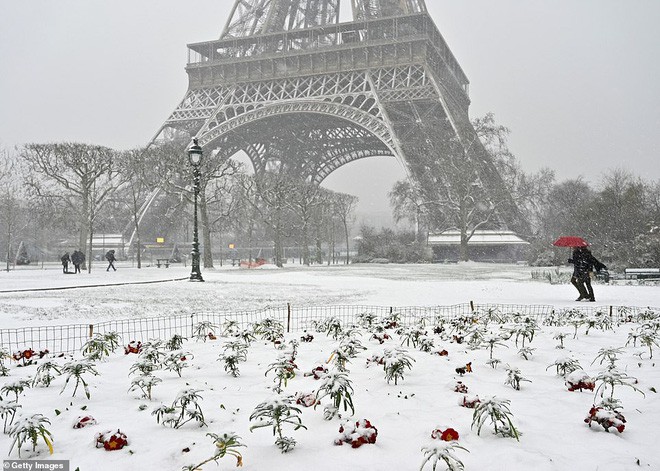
x=575, y=80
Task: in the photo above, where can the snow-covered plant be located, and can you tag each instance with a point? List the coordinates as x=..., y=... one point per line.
x=246, y=336
x=579, y=380
x=7, y=412
x=351, y=346
x=526, y=352
x=411, y=335
x=492, y=340
x=391, y=321
x=609, y=354
x=44, y=374
x=176, y=361
x=204, y=330
x=576, y=319
x=153, y=351
x=607, y=418
x=611, y=377
x=76, y=369
x=396, y=361
x=339, y=358
x=494, y=363
x=426, y=344
x=649, y=338
x=230, y=328
x=143, y=367
x=332, y=327
x=476, y=336
x=276, y=413
x=16, y=388
x=145, y=384
x=565, y=366
x=29, y=429
x=270, y=330
x=284, y=370
x=599, y=320
x=100, y=346
x=367, y=319
x=358, y=434
x=442, y=452
x=225, y=444
x=497, y=411
x=514, y=377
x=184, y=409
x=524, y=330
x=235, y=353
x=560, y=336
x=338, y=387
x=175, y=343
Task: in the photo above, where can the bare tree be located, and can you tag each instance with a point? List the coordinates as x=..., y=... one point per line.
x=75, y=177
x=9, y=201
x=344, y=209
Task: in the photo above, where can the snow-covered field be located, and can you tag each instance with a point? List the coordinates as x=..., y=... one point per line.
x=554, y=435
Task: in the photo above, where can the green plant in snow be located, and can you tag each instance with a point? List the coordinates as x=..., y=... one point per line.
x=565, y=366
x=497, y=411
x=396, y=361
x=514, y=377
x=411, y=335
x=230, y=328
x=225, y=444
x=526, y=352
x=524, y=330
x=560, y=336
x=270, y=330
x=175, y=343
x=4, y=355
x=143, y=367
x=29, y=429
x=176, y=361
x=367, y=319
x=8, y=412
x=145, y=384
x=276, y=413
x=492, y=340
x=202, y=329
x=44, y=374
x=76, y=369
x=426, y=344
x=153, y=351
x=609, y=354
x=16, y=388
x=649, y=338
x=184, y=409
x=442, y=452
x=338, y=387
x=235, y=353
x=284, y=370
x=246, y=336
x=611, y=377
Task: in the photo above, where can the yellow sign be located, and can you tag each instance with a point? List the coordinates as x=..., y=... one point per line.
x=160, y=240
x=232, y=246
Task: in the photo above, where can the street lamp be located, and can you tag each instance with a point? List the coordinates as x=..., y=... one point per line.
x=195, y=159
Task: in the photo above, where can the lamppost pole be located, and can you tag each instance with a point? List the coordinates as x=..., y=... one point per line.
x=195, y=158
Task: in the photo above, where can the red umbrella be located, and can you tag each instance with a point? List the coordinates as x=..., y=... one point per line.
x=570, y=241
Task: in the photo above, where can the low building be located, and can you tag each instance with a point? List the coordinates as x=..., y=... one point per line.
x=483, y=246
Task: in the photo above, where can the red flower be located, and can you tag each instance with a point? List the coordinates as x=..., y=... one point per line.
x=449, y=435
x=116, y=441
x=27, y=354
x=443, y=353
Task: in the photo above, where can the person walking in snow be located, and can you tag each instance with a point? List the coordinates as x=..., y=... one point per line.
x=77, y=258
x=583, y=264
x=65, y=262
x=110, y=257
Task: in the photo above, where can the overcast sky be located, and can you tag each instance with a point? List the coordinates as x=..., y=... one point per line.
x=576, y=81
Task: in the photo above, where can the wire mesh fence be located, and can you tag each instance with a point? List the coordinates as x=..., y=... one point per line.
x=70, y=338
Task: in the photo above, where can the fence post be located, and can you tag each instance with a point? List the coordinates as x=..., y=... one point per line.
x=192, y=325
x=91, y=330
x=472, y=306
x=288, y=317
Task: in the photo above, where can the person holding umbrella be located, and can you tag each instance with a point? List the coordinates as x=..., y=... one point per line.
x=583, y=264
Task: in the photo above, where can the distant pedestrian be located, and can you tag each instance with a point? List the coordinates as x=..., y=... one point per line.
x=77, y=258
x=110, y=257
x=65, y=262
x=584, y=263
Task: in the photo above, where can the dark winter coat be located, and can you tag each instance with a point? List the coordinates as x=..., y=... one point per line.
x=110, y=256
x=77, y=258
x=65, y=259
x=584, y=262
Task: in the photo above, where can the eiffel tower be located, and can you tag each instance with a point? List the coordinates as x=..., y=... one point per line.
x=299, y=91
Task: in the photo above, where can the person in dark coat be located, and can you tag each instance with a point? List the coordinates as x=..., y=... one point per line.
x=77, y=258
x=65, y=262
x=110, y=257
x=583, y=264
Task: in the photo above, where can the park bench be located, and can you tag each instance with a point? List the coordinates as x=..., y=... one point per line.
x=163, y=261
x=641, y=273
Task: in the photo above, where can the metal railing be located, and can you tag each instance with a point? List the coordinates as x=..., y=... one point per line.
x=70, y=338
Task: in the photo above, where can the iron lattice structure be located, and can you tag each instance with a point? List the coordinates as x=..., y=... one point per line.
x=301, y=92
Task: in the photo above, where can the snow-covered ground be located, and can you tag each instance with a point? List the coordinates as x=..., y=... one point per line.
x=550, y=418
